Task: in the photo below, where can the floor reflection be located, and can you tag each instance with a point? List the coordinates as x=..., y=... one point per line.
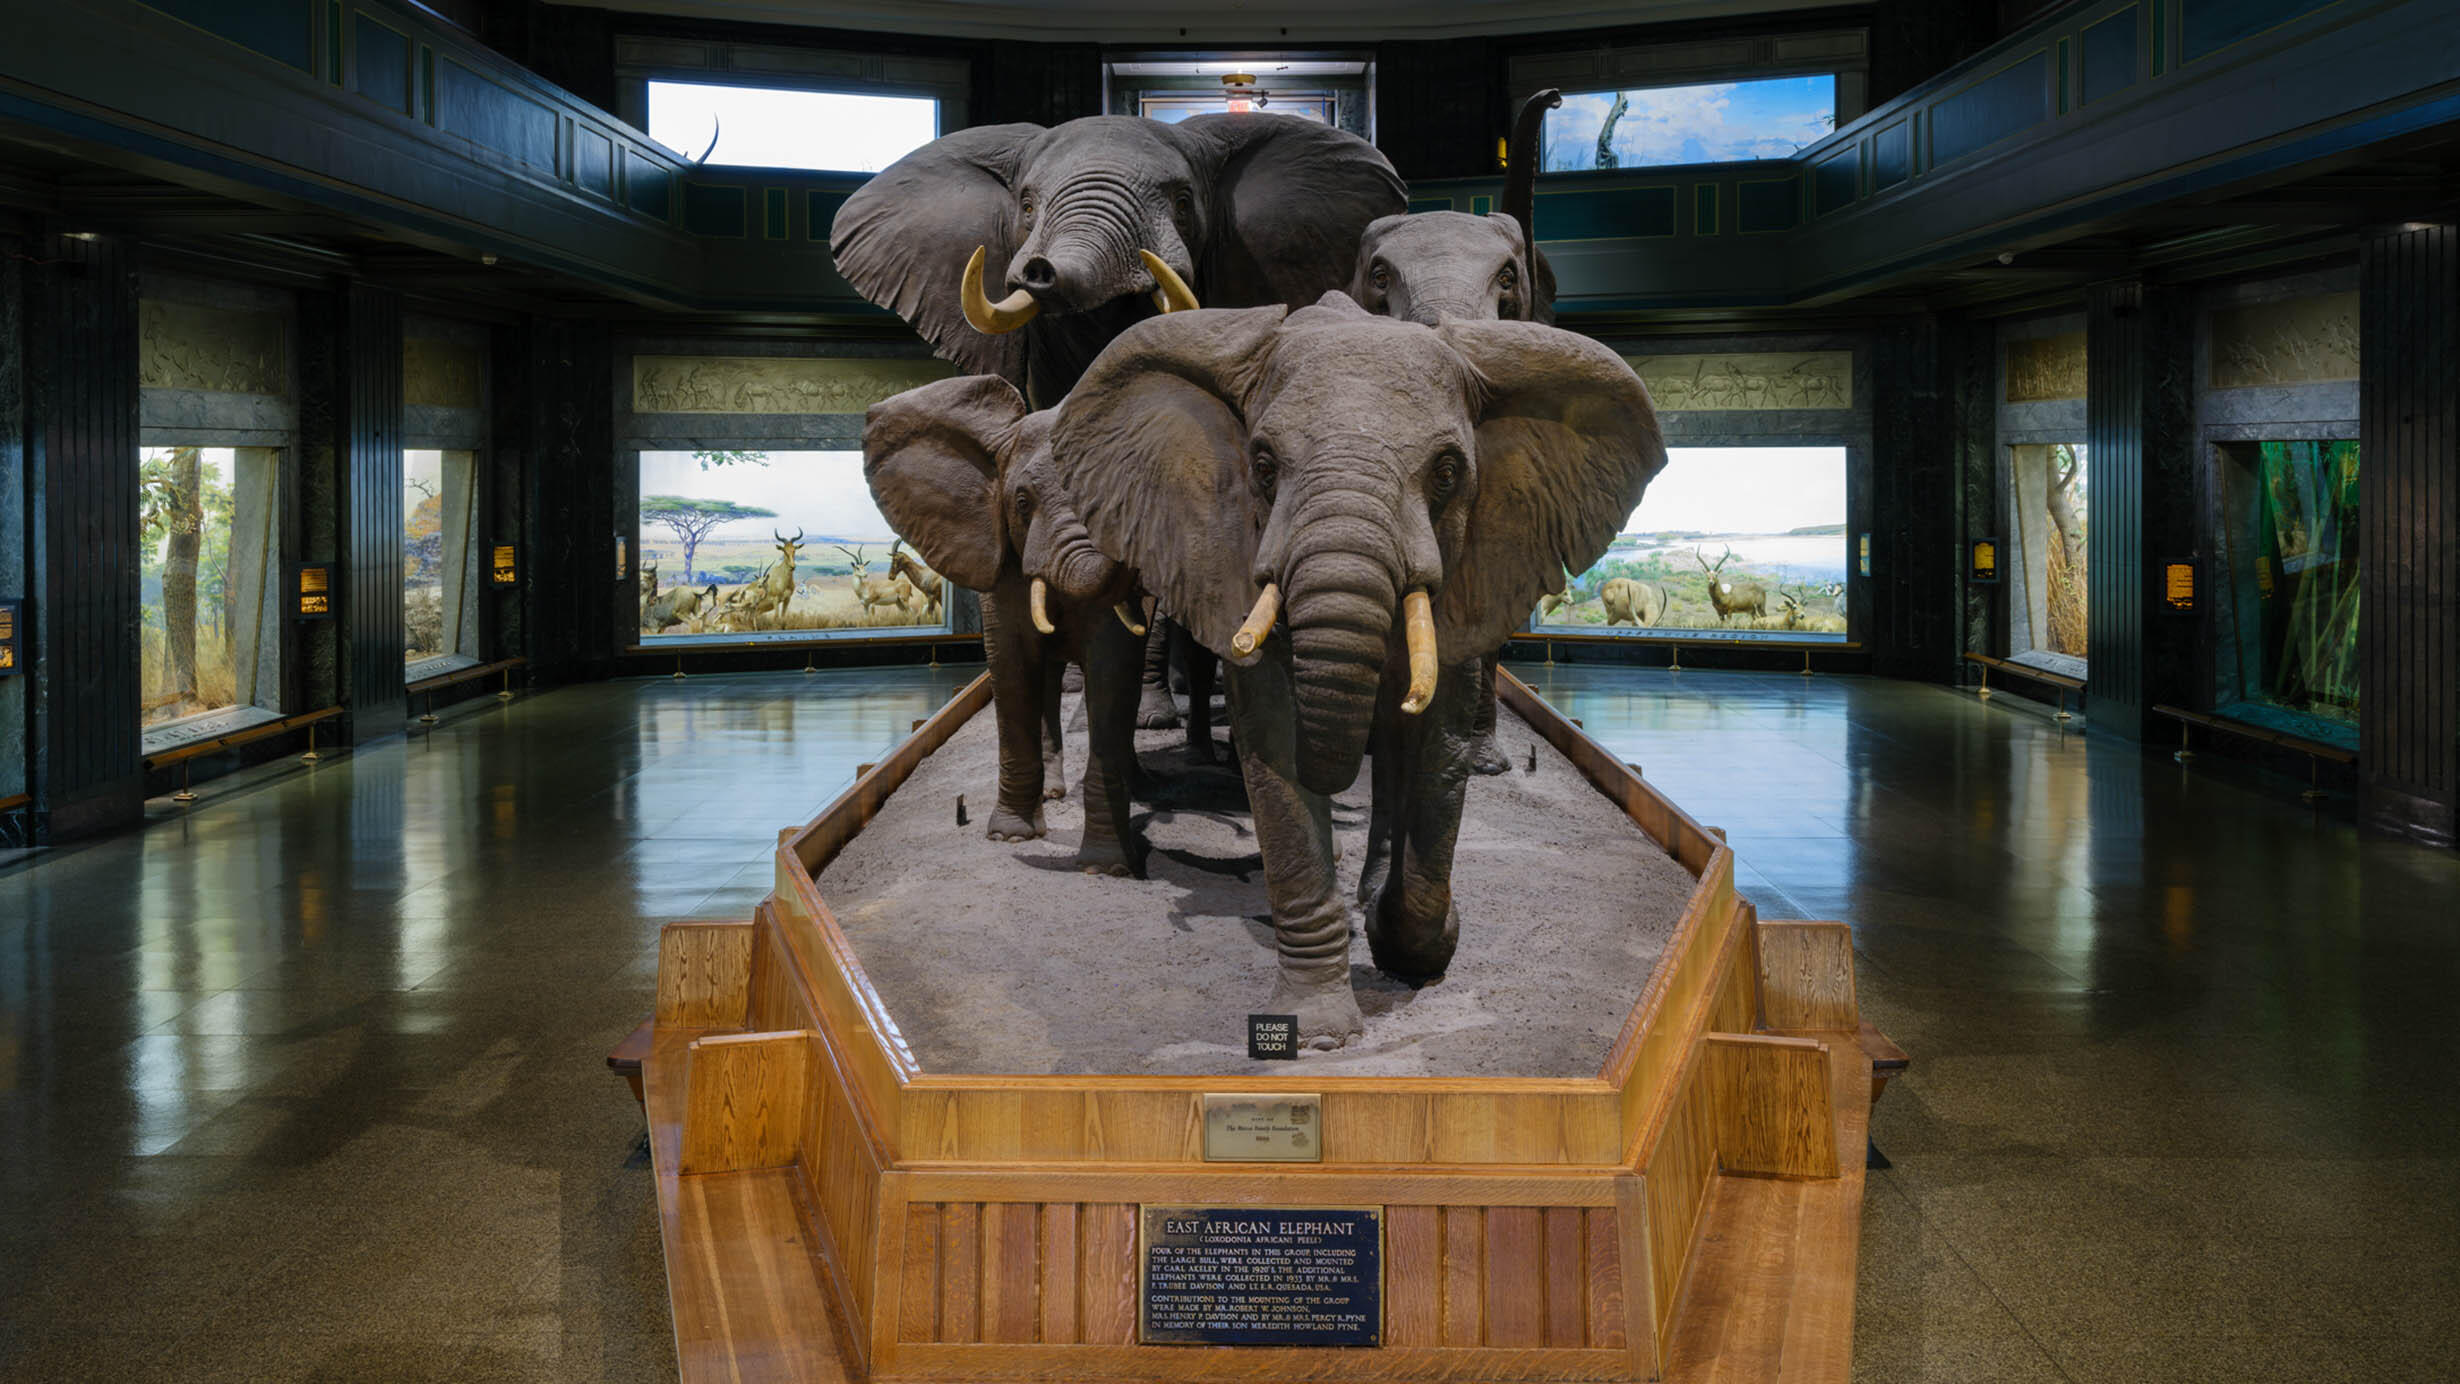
x=305, y=1082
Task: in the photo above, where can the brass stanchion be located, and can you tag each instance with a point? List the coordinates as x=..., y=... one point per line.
x=678, y=665
x=504, y=693
x=1677, y=665
x=1806, y=660
x=1985, y=681
x=183, y=795
x=430, y=718
x=2314, y=781
x=311, y=756
x=2186, y=748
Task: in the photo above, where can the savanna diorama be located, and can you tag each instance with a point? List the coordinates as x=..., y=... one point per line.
x=1729, y=538
x=773, y=543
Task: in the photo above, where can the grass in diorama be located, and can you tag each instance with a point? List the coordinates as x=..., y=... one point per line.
x=829, y=594
x=1686, y=584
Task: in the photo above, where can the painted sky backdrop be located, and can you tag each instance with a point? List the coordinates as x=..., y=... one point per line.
x=1720, y=122
x=757, y=127
x=818, y=492
x=1744, y=490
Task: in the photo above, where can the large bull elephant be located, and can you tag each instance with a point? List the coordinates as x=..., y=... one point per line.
x=1021, y=251
x=1446, y=266
x=1404, y=494
x=963, y=471
x=1057, y=223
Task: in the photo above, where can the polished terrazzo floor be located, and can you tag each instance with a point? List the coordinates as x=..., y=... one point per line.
x=305, y=1082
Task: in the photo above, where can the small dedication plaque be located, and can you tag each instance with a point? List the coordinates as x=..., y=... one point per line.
x=1262, y=1276
x=1263, y=1127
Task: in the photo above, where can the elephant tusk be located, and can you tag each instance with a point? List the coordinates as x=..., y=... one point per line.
x=991, y=318
x=1418, y=618
x=1170, y=292
x=1042, y=619
x=1128, y=618
x=1259, y=621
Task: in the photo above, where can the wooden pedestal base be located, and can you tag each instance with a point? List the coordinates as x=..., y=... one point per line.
x=832, y=1212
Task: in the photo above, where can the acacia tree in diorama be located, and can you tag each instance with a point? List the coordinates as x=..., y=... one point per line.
x=691, y=520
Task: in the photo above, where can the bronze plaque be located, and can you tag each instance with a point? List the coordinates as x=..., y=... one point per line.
x=506, y=571
x=1261, y=1275
x=1263, y=1127
x=315, y=582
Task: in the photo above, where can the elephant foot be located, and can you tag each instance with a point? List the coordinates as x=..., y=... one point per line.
x=1486, y=757
x=1415, y=951
x=1054, y=780
x=1012, y=826
x=1155, y=711
x=1104, y=858
x=1327, y=1010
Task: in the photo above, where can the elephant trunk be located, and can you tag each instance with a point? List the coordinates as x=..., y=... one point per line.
x=1463, y=302
x=1083, y=254
x=1342, y=593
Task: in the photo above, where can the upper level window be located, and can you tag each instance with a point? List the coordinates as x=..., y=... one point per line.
x=1715, y=122
x=773, y=127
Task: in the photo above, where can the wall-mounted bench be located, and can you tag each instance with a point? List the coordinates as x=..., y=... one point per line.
x=2059, y=682
x=428, y=687
x=196, y=749
x=2316, y=751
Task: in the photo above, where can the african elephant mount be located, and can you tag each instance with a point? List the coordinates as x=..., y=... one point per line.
x=1353, y=511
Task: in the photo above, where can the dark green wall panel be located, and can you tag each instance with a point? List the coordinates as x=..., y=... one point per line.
x=382, y=63
x=1605, y=214
x=1991, y=109
x=1891, y=156
x=1835, y=180
x=714, y=211
x=1773, y=204
x=2207, y=25
x=2112, y=51
x=279, y=29
x=493, y=116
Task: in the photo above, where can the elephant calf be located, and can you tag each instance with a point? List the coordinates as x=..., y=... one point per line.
x=1403, y=494
x=963, y=472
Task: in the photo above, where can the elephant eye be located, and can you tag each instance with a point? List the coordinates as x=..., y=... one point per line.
x=1026, y=208
x=1510, y=277
x=1024, y=503
x=1381, y=277
x=1443, y=478
x=1184, y=203
x=1265, y=471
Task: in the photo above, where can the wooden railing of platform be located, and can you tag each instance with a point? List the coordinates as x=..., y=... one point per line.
x=831, y=1210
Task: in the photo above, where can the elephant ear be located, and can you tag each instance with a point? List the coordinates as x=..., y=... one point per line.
x=903, y=238
x=1152, y=443
x=932, y=458
x=1567, y=443
x=1291, y=199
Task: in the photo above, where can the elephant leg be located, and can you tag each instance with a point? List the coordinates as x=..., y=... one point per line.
x=1311, y=921
x=1200, y=667
x=1485, y=756
x=1015, y=654
x=1413, y=927
x=1054, y=759
x=1113, y=660
x=1154, y=709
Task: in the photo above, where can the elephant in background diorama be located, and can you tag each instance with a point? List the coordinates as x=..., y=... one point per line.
x=1084, y=224
x=963, y=471
x=1404, y=493
x=1440, y=266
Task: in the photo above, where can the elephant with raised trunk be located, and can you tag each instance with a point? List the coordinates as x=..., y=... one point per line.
x=1020, y=251
x=963, y=471
x=1403, y=494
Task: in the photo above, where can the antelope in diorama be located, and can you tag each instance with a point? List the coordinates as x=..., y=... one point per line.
x=870, y=591
x=926, y=582
x=773, y=590
x=1731, y=598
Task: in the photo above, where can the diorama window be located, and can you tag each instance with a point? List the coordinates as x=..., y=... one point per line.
x=440, y=557
x=2046, y=579
x=774, y=545
x=1175, y=106
x=781, y=127
x=209, y=650
x=1714, y=122
x=1749, y=542
x=2288, y=651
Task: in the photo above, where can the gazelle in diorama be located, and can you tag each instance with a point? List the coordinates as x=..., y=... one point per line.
x=773, y=590
x=870, y=591
x=926, y=582
x=1731, y=598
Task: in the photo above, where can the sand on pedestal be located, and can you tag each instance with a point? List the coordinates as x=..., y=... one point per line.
x=1002, y=958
